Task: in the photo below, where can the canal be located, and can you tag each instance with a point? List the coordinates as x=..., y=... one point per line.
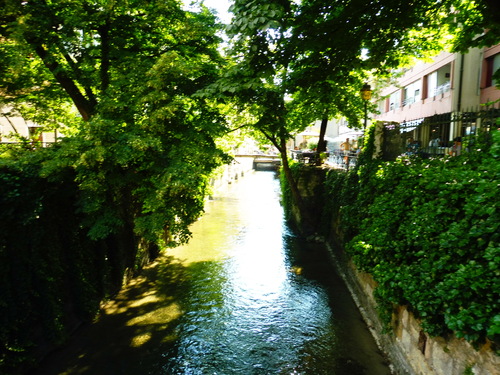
x=244, y=297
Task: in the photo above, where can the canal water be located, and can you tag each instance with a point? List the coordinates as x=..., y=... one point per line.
x=244, y=297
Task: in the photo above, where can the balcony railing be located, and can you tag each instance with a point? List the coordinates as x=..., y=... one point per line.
x=342, y=159
x=409, y=101
x=445, y=87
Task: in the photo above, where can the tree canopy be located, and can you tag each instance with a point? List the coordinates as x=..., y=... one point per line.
x=131, y=69
x=473, y=23
x=296, y=62
x=326, y=49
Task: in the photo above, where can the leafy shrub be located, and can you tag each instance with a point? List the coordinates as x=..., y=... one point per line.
x=429, y=233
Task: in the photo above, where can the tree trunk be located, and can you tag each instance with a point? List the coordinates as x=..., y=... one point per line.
x=321, y=142
x=85, y=106
x=322, y=132
x=105, y=59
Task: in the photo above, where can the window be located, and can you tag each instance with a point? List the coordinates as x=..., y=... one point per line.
x=383, y=106
x=438, y=82
x=412, y=93
x=492, y=65
x=394, y=100
x=431, y=84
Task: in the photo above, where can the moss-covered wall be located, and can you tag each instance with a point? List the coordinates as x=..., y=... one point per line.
x=311, y=183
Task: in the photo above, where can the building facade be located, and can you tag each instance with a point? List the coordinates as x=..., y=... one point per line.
x=13, y=127
x=432, y=102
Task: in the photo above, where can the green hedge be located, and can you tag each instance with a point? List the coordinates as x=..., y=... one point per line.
x=428, y=230
x=52, y=275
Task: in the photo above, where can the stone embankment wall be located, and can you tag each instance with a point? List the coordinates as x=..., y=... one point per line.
x=232, y=172
x=410, y=350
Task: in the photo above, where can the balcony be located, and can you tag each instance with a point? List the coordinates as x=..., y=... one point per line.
x=441, y=89
x=409, y=101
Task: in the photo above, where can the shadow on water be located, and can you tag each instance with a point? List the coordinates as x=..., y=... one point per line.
x=245, y=297
x=356, y=353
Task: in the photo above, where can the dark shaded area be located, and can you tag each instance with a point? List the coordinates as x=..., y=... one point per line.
x=52, y=276
x=356, y=355
x=120, y=342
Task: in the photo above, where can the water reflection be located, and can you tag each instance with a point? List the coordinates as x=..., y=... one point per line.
x=244, y=297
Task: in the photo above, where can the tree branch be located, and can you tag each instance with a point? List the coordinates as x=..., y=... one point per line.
x=83, y=104
x=238, y=128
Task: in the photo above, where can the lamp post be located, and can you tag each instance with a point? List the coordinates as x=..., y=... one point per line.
x=366, y=94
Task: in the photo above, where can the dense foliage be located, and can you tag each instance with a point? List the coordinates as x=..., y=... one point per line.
x=143, y=153
x=52, y=275
x=131, y=173
x=428, y=230
x=141, y=139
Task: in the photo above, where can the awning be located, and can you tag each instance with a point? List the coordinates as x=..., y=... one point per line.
x=342, y=137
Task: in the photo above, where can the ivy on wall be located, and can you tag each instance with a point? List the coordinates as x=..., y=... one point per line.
x=428, y=230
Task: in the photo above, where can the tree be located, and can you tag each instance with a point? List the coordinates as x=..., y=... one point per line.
x=131, y=69
x=473, y=24
x=295, y=62
x=119, y=78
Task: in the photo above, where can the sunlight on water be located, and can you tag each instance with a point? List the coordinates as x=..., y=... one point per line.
x=251, y=311
x=255, y=260
x=254, y=320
